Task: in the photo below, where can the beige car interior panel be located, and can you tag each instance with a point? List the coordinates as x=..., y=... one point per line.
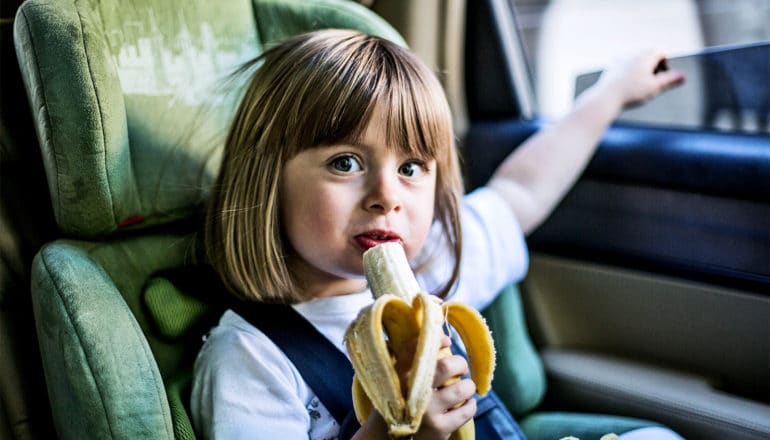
x=710, y=368
x=434, y=30
x=669, y=396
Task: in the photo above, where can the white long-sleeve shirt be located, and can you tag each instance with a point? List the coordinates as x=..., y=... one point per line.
x=245, y=387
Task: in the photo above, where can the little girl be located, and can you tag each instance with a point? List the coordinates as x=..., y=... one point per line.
x=343, y=141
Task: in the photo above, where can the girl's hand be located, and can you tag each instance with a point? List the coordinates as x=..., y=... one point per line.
x=639, y=78
x=452, y=405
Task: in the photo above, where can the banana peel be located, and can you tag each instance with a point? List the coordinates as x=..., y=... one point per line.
x=401, y=314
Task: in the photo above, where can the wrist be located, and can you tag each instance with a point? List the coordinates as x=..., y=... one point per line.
x=373, y=428
x=604, y=101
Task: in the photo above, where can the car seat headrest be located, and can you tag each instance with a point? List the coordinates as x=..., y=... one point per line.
x=129, y=102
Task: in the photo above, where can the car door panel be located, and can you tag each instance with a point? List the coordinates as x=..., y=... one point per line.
x=649, y=286
x=647, y=262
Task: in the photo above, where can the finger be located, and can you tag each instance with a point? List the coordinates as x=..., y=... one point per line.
x=466, y=411
x=448, y=368
x=405, y=357
x=446, y=342
x=453, y=396
x=670, y=78
x=451, y=420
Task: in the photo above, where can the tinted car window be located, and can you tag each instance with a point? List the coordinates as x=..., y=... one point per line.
x=726, y=90
x=565, y=38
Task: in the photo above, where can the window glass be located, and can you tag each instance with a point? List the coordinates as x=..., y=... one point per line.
x=566, y=38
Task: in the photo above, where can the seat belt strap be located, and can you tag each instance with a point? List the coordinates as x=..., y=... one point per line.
x=325, y=368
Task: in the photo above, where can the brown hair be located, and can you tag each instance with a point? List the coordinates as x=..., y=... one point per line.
x=319, y=88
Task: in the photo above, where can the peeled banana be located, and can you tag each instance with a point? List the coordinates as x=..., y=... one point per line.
x=400, y=315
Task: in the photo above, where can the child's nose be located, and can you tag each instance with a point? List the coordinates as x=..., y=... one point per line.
x=382, y=195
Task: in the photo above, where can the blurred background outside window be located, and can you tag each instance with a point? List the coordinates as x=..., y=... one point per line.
x=565, y=38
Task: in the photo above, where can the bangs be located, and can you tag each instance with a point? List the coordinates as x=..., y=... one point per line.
x=364, y=74
x=316, y=89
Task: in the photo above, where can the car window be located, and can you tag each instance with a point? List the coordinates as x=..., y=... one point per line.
x=724, y=48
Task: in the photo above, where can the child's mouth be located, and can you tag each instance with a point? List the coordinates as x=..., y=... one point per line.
x=373, y=238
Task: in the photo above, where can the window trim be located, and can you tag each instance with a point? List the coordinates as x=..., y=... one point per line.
x=513, y=55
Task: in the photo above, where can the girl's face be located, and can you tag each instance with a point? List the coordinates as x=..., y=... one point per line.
x=338, y=201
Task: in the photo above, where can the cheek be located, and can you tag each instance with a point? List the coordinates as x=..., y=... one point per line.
x=312, y=211
x=320, y=215
x=426, y=223
x=421, y=220
x=322, y=204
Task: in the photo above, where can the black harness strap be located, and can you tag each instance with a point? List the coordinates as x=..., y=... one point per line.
x=327, y=371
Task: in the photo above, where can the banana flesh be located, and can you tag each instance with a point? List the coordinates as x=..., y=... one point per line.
x=387, y=271
x=400, y=315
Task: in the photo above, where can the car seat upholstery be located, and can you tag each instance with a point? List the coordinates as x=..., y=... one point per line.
x=128, y=104
x=24, y=227
x=130, y=101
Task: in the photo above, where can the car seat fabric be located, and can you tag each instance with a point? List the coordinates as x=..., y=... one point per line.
x=128, y=96
x=131, y=102
x=103, y=378
x=519, y=374
x=24, y=227
x=555, y=425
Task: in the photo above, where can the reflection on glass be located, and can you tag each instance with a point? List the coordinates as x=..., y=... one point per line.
x=727, y=89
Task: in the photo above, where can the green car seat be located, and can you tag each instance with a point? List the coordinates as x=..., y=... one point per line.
x=131, y=102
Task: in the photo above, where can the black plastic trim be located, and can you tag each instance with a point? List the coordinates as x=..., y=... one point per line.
x=721, y=164
x=489, y=90
x=693, y=205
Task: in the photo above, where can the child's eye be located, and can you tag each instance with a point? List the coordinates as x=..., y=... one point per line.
x=345, y=164
x=412, y=169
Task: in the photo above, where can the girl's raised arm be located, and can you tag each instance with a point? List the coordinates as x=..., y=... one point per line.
x=535, y=177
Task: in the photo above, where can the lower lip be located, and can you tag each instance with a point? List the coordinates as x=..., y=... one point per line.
x=365, y=242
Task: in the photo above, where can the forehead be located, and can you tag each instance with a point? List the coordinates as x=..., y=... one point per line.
x=376, y=129
x=403, y=127
x=379, y=88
